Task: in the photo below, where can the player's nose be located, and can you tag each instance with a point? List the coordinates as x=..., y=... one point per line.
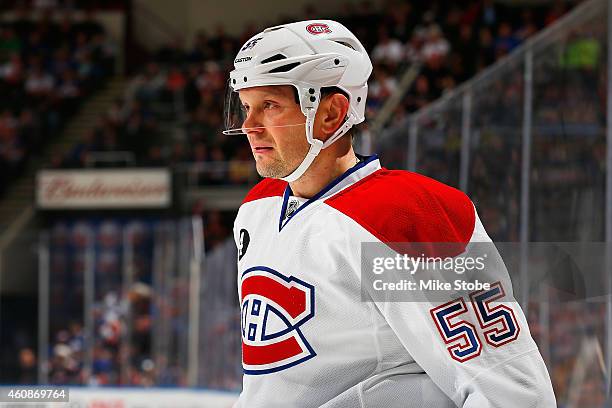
x=252, y=124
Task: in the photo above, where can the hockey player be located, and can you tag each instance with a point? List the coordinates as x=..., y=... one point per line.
x=311, y=336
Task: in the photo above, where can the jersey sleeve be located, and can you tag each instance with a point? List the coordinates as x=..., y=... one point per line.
x=475, y=346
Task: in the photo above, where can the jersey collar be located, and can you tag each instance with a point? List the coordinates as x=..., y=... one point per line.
x=367, y=166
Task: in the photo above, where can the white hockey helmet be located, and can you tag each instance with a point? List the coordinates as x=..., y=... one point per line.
x=310, y=55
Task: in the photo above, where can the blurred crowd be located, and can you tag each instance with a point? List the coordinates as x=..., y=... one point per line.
x=48, y=66
x=140, y=304
x=184, y=86
x=171, y=114
x=121, y=255
x=569, y=343
x=62, y=5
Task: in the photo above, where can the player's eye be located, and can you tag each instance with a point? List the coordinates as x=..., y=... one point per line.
x=270, y=105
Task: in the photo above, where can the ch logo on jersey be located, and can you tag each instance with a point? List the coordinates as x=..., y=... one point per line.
x=250, y=44
x=273, y=308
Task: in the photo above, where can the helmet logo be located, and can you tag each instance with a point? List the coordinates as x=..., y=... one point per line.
x=318, y=28
x=250, y=44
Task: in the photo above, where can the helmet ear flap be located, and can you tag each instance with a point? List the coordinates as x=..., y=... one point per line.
x=329, y=90
x=358, y=104
x=310, y=97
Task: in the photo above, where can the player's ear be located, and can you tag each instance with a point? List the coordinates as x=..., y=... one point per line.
x=335, y=108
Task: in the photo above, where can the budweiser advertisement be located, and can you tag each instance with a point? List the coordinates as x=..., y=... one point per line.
x=103, y=189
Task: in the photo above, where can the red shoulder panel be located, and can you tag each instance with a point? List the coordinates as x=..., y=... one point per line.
x=267, y=187
x=400, y=206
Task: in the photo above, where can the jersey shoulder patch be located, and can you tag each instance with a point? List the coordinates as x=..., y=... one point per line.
x=400, y=206
x=267, y=187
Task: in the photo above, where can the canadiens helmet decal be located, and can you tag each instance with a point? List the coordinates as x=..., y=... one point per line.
x=318, y=28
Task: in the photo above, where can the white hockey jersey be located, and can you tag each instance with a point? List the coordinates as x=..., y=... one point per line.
x=310, y=340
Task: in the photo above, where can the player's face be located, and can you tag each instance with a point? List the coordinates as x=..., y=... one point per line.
x=278, y=148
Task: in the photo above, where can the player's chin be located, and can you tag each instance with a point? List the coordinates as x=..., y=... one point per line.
x=270, y=168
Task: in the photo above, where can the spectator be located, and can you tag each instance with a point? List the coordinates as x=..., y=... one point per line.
x=382, y=86
x=12, y=71
x=487, y=48
x=388, y=50
x=413, y=50
x=435, y=46
x=557, y=10
x=39, y=84
x=9, y=42
x=420, y=96
x=489, y=13
x=467, y=48
x=505, y=41
x=30, y=132
x=28, y=367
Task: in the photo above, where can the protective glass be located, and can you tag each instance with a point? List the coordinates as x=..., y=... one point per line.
x=235, y=113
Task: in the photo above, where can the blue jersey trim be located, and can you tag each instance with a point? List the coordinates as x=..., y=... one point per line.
x=367, y=160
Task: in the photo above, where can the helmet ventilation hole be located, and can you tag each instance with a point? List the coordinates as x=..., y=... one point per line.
x=284, y=68
x=275, y=57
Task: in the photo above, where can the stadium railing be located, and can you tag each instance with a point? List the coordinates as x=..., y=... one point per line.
x=137, y=301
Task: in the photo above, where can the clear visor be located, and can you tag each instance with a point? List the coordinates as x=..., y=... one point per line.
x=266, y=112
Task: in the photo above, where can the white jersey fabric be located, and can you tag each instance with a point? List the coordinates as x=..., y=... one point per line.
x=309, y=340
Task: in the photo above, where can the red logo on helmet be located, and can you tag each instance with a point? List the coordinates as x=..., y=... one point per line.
x=318, y=28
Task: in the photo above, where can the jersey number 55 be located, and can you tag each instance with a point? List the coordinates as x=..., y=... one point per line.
x=498, y=324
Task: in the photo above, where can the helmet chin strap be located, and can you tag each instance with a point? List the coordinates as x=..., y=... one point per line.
x=316, y=145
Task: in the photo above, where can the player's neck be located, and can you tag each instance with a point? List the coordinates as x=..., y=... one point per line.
x=326, y=167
